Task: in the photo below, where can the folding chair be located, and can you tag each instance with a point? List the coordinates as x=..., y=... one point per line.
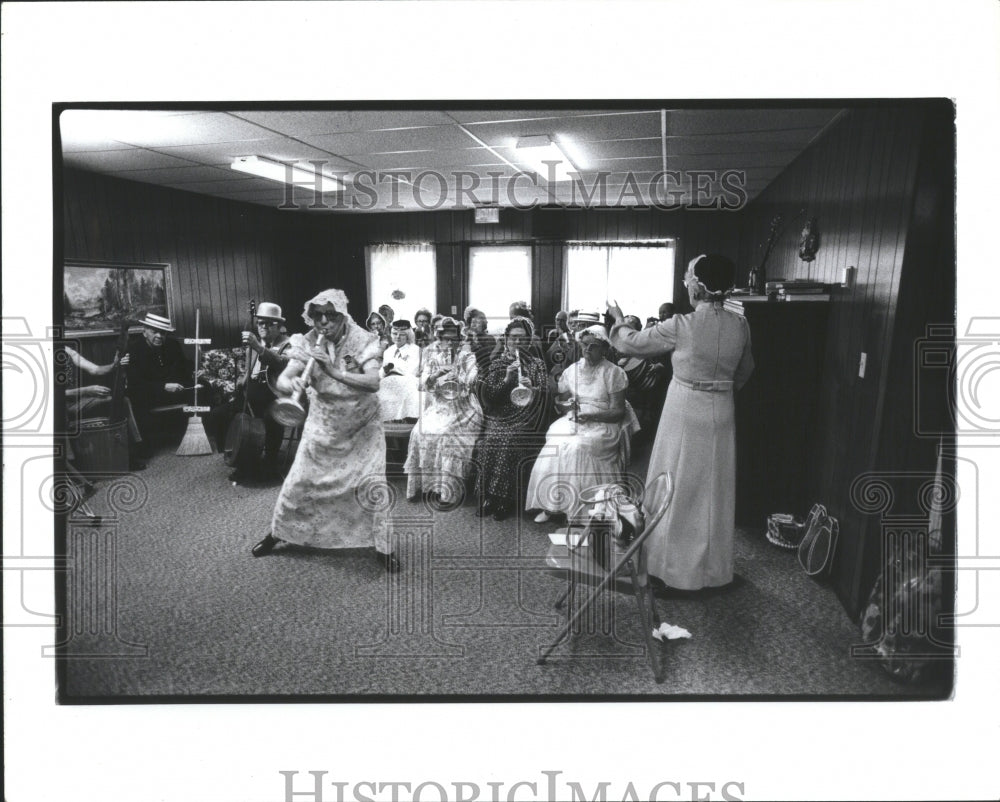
x=582, y=563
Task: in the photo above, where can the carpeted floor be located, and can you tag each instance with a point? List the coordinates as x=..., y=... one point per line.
x=164, y=600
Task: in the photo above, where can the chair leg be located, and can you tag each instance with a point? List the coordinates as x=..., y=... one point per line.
x=648, y=618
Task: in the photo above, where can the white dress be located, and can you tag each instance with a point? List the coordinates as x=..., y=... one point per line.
x=439, y=458
x=580, y=455
x=692, y=545
x=399, y=395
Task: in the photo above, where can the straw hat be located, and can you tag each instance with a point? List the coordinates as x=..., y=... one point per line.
x=269, y=311
x=157, y=322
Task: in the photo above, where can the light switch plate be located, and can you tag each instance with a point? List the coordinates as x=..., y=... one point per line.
x=861, y=365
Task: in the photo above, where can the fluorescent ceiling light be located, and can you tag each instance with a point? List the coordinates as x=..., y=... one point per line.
x=535, y=151
x=298, y=174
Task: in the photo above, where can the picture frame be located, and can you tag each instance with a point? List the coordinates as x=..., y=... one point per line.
x=98, y=295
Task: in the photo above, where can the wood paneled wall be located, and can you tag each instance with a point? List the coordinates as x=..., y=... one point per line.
x=860, y=182
x=220, y=253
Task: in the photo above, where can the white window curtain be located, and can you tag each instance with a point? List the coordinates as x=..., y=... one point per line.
x=402, y=276
x=640, y=278
x=498, y=276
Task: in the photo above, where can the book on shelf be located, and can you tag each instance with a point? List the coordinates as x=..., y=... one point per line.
x=796, y=298
x=786, y=290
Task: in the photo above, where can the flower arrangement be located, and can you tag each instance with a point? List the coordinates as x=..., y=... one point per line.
x=220, y=367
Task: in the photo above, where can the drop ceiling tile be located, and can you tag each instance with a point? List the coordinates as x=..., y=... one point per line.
x=437, y=137
x=626, y=163
x=114, y=161
x=444, y=160
x=623, y=148
x=278, y=149
x=498, y=115
x=101, y=129
x=578, y=129
x=147, y=129
x=77, y=144
x=305, y=123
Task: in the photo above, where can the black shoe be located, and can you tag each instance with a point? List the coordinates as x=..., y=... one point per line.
x=486, y=508
x=265, y=546
x=136, y=464
x=501, y=513
x=390, y=562
x=238, y=476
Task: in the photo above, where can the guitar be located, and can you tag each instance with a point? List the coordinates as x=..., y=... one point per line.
x=245, y=436
x=118, y=411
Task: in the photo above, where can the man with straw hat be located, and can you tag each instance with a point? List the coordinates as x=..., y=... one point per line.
x=157, y=372
x=270, y=347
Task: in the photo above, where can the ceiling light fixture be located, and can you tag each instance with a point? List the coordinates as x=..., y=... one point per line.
x=303, y=174
x=535, y=151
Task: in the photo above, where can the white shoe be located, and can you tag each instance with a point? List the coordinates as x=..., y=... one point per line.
x=543, y=517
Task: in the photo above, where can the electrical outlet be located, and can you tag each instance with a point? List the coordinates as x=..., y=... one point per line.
x=454, y=309
x=861, y=365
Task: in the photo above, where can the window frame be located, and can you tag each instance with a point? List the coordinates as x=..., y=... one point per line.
x=496, y=322
x=608, y=246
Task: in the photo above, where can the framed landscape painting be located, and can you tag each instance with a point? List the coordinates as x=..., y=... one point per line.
x=98, y=296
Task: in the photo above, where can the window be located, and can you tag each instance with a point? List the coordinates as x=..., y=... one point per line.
x=402, y=276
x=639, y=277
x=498, y=276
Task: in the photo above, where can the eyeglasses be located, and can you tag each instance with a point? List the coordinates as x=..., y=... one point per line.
x=268, y=322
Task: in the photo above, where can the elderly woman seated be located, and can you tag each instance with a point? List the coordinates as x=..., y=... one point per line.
x=398, y=392
x=441, y=444
x=514, y=393
x=589, y=445
x=376, y=324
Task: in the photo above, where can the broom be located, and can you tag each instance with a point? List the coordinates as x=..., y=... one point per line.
x=195, y=442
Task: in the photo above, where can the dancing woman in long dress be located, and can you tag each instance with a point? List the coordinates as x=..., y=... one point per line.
x=692, y=545
x=340, y=462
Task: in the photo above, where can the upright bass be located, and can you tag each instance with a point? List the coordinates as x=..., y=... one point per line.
x=118, y=410
x=245, y=436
